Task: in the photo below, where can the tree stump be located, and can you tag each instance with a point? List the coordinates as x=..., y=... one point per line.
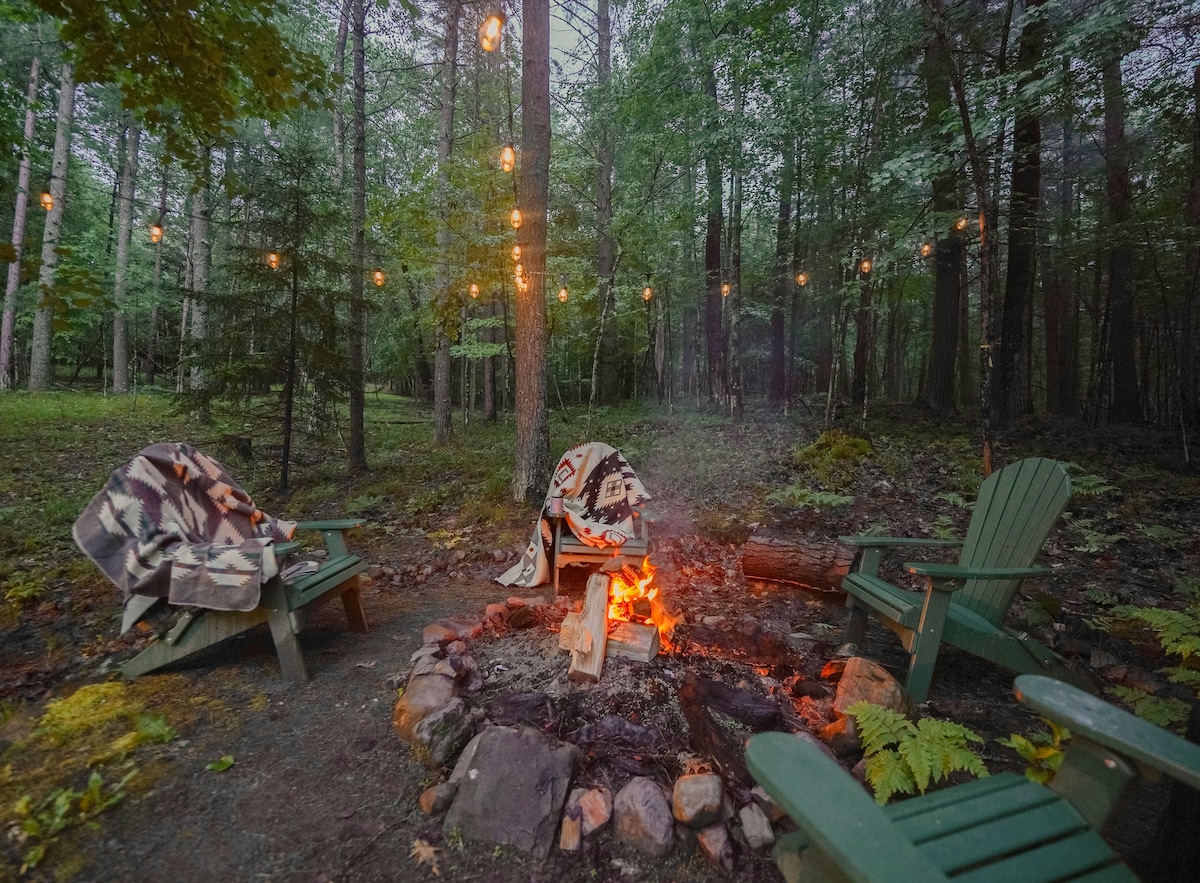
x=805, y=560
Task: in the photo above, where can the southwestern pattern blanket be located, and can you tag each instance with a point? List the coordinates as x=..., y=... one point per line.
x=599, y=490
x=171, y=523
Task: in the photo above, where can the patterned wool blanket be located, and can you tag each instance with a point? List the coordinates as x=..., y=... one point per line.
x=599, y=490
x=171, y=523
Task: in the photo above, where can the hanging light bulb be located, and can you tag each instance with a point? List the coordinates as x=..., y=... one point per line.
x=519, y=272
x=563, y=294
x=801, y=278
x=273, y=260
x=926, y=249
x=725, y=289
x=515, y=219
x=474, y=290
x=960, y=224
x=491, y=31
x=866, y=265
x=156, y=233
x=647, y=293
x=508, y=158
x=47, y=200
x=516, y=252
x=378, y=275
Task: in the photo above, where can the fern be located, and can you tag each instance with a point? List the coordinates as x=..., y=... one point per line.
x=1043, y=752
x=1167, y=537
x=1178, y=631
x=1088, y=485
x=925, y=752
x=797, y=497
x=1166, y=712
x=953, y=499
x=943, y=528
x=1188, y=585
x=1103, y=597
x=1093, y=540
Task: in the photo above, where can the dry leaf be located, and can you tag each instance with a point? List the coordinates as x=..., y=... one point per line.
x=426, y=854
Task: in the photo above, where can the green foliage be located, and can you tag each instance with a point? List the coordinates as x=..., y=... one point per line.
x=219, y=766
x=21, y=588
x=38, y=823
x=1093, y=539
x=1101, y=597
x=1088, y=485
x=1163, y=711
x=797, y=497
x=924, y=753
x=954, y=499
x=1164, y=536
x=108, y=711
x=833, y=457
x=1043, y=608
x=1177, y=631
x=1043, y=751
x=942, y=528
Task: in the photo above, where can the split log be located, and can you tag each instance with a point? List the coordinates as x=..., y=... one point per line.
x=591, y=638
x=709, y=738
x=630, y=640
x=815, y=562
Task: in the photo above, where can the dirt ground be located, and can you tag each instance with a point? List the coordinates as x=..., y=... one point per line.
x=322, y=790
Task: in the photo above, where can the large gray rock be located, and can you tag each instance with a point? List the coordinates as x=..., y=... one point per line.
x=438, y=737
x=642, y=818
x=513, y=789
x=696, y=799
x=864, y=680
x=423, y=695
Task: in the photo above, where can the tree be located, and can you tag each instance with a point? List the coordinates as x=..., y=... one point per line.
x=42, y=357
x=13, y=279
x=357, y=443
x=532, y=462
x=442, y=422
x=129, y=142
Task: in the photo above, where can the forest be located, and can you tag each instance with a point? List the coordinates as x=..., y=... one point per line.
x=987, y=208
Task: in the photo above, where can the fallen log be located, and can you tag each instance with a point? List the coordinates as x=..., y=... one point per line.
x=816, y=562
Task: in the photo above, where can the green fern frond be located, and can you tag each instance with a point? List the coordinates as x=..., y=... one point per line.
x=888, y=773
x=953, y=499
x=1103, y=597
x=1189, y=677
x=1188, y=585
x=1088, y=485
x=1167, y=537
x=879, y=727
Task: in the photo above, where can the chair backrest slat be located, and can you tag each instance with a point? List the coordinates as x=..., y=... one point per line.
x=1016, y=508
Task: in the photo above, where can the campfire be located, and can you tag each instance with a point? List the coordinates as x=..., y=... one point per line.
x=621, y=616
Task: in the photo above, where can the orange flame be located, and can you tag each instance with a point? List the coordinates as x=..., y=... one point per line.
x=626, y=587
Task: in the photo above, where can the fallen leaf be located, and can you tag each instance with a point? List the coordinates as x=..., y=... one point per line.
x=219, y=766
x=426, y=854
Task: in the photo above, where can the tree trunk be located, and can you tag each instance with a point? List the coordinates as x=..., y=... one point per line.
x=783, y=275
x=357, y=443
x=532, y=460
x=1011, y=394
x=198, y=257
x=948, y=249
x=18, y=233
x=40, y=372
x=152, y=343
x=733, y=376
x=130, y=136
x=606, y=386
x=1191, y=280
x=1062, y=378
x=339, y=67
x=443, y=425
x=1126, y=407
x=713, y=336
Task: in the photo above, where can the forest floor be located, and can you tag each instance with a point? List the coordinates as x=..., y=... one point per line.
x=320, y=788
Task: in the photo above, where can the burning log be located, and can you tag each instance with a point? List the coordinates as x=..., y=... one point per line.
x=591, y=637
x=807, y=560
x=709, y=738
x=630, y=640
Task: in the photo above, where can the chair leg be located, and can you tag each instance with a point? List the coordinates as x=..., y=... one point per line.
x=291, y=660
x=926, y=639
x=352, y=604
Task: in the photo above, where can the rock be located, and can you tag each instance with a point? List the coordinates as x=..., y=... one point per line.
x=643, y=819
x=426, y=570
x=436, y=800
x=535, y=601
x=714, y=843
x=499, y=555
x=438, y=633
x=425, y=650
x=696, y=799
x=375, y=571
x=496, y=611
x=594, y=806
x=465, y=760
x=756, y=827
x=459, y=556
x=841, y=736
x=423, y=695
x=767, y=803
x=864, y=680
x=438, y=737
x=513, y=789
x=456, y=648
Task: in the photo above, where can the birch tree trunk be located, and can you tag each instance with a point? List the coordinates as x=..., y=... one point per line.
x=131, y=136
x=532, y=461
x=18, y=232
x=357, y=441
x=43, y=319
x=199, y=252
x=443, y=426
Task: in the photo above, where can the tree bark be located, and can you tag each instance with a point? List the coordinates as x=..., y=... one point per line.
x=443, y=425
x=606, y=385
x=1062, y=376
x=40, y=372
x=532, y=460
x=198, y=257
x=1191, y=280
x=1126, y=407
x=803, y=559
x=1011, y=395
x=130, y=136
x=783, y=275
x=357, y=444
x=20, y=206
x=713, y=336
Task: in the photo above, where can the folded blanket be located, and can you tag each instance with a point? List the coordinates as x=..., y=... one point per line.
x=599, y=490
x=171, y=523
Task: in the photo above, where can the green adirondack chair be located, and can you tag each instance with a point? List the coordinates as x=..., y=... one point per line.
x=999, y=828
x=965, y=604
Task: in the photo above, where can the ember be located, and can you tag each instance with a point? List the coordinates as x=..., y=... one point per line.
x=625, y=591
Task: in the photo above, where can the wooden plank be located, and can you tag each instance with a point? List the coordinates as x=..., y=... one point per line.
x=629, y=640
x=591, y=640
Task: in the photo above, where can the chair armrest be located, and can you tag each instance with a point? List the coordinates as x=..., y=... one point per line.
x=841, y=820
x=1119, y=731
x=896, y=541
x=645, y=514
x=285, y=547
x=334, y=532
x=953, y=571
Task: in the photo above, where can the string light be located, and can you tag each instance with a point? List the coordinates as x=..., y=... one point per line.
x=508, y=158
x=563, y=295
x=725, y=289
x=926, y=249
x=866, y=265
x=156, y=233
x=515, y=219
x=801, y=278
x=647, y=292
x=491, y=31
x=47, y=200
x=474, y=290
x=960, y=224
x=273, y=260
x=516, y=252
x=378, y=275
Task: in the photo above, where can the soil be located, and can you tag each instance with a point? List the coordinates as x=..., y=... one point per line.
x=321, y=789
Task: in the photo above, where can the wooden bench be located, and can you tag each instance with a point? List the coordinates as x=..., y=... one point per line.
x=999, y=828
x=285, y=605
